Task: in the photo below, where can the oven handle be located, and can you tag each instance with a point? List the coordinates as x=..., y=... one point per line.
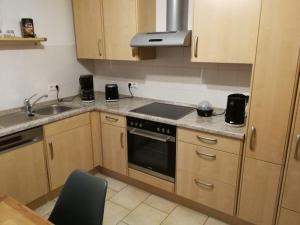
x=151, y=135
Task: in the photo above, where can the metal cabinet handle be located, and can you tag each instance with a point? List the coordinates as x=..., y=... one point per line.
x=252, y=138
x=196, y=47
x=204, y=184
x=121, y=140
x=100, y=47
x=51, y=151
x=206, y=140
x=111, y=119
x=133, y=52
x=297, y=147
x=206, y=155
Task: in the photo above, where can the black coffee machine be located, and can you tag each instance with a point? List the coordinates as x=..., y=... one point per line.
x=87, y=88
x=236, y=110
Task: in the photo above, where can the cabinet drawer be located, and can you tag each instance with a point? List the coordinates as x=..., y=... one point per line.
x=113, y=119
x=288, y=217
x=209, y=140
x=207, y=162
x=66, y=124
x=206, y=191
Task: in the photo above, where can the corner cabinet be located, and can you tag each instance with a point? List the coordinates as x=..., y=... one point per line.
x=274, y=86
x=88, y=23
x=104, y=28
x=69, y=147
x=114, y=143
x=225, y=31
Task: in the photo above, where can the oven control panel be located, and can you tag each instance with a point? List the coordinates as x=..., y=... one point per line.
x=148, y=125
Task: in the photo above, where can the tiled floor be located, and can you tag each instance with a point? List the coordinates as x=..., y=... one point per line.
x=127, y=205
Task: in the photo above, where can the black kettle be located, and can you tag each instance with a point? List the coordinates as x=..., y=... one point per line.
x=236, y=110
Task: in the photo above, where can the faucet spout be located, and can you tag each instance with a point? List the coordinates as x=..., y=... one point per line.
x=28, y=106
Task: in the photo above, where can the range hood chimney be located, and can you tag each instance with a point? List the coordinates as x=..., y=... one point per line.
x=176, y=33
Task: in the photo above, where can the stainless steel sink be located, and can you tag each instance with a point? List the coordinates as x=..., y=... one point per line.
x=51, y=110
x=15, y=119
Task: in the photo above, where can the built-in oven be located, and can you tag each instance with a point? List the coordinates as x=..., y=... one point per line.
x=152, y=148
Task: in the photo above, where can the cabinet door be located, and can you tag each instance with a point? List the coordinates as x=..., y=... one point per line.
x=225, y=31
x=274, y=80
x=88, y=21
x=68, y=151
x=291, y=194
x=114, y=148
x=259, y=189
x=120, y=25
x=288, y=217
x=96, y=137
x=23, y=173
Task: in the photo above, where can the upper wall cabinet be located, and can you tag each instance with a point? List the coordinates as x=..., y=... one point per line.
x=104, y=28
x=88, y=22
x=225, y=31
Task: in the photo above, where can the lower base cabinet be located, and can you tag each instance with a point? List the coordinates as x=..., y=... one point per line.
x=69, y=147
x=288, y=217
x=259, y=192
x=23, y=173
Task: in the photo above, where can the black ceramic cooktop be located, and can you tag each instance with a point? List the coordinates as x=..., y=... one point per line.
x=163, y=110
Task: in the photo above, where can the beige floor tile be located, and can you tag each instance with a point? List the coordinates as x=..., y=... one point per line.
x=212, y=221
x=113, y=213
x=115, y=184
x=130, y=197
x=110, y=193
x=122, y=223
x=145, y=215
x=160, y=203
x=184, y=216
x=100, y=175
x=46, y=208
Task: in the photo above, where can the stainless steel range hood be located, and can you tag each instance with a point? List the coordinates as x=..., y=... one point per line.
x=176, y=34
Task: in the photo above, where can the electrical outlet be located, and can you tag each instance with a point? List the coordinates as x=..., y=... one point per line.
x=134, y=85
x=52, y=87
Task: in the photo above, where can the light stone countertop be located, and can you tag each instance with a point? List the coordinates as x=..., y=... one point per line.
x=213, y=125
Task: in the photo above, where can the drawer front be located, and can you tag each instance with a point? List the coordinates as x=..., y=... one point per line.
x=207, y=162
x=209, y=140
x=212, y=193
x=113, y=119
x=288, y=217
x=66, y=124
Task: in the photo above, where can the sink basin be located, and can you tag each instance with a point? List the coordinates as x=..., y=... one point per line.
x=52, y=110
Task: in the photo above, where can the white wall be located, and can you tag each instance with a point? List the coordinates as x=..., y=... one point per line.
x=171, y=76
x=27, y=71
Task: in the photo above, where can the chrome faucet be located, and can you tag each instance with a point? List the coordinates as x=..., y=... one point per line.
x=28, y=106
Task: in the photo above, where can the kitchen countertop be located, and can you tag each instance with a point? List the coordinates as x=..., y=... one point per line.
x=214, y=125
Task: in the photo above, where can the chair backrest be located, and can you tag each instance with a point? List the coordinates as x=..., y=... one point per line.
x=81, y=201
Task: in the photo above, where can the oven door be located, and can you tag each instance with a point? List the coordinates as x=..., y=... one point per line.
x=152, y=153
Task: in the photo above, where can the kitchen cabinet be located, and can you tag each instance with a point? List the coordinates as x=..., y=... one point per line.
x=288, y=217
x=88, y=23
x=225, y=31
x=23, y=173
x=259, y=189
x=114, y=143
x=69, y=147
x=122, y=20
x=207, y=169
x=104, y=28
x=96, y=138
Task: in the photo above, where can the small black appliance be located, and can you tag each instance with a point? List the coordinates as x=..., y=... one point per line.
x=111, y=92
x=205, y=109
x=87, y=88
x=236, y=110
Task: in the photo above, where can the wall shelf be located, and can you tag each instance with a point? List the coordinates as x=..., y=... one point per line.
x=19, y=40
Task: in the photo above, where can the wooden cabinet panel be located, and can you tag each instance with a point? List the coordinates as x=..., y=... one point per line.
x=225, y=31
x=274, y=80
x=114, y=141
x=288, y=217
x=207, y=162
x=210, y=140
x=96, y=138
x=113, y=119
x=23, y=173
x=259, y=191
x=212, y=193
x=88, y=22
x=68, y=151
